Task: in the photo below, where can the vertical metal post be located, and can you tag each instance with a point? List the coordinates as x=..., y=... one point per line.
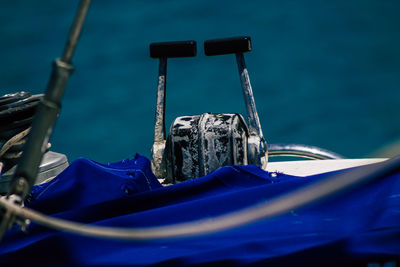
x=43, y=122
x=163, y=51
x=257, y=144
x=254, y=121
x=159, y=129
x=42, y=126
x=157, y=151
x=48, y=110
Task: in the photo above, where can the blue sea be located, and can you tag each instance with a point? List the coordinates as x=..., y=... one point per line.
x=324, y=73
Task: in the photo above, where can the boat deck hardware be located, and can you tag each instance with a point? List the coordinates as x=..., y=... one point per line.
x=257, y=146
x=52, y=164
x=163, y=51
x=199, y=144
x=46, y=115
x=301, y=151
x=16, y=115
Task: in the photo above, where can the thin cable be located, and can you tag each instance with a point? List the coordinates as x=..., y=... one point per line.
x=263, y=210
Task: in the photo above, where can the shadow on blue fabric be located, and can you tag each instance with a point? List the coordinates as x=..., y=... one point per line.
x=354, y=228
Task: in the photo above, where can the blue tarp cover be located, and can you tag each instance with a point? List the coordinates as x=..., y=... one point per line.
x=353, y=228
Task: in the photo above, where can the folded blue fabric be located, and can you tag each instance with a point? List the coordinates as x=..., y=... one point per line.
x=357, y=227
x=86, y=182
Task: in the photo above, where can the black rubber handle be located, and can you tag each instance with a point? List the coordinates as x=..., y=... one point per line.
x=173, y=49
x=227, y=46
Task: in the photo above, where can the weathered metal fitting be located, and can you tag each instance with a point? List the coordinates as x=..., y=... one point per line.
x=9, y=218
x=158, y=164
x=257, y=151
x=15, y=199
x=20, y=187
x=50, y=105
x=200, y=144
x=62, y=65
x=197, y=145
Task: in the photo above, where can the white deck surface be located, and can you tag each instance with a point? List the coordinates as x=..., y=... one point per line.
x=311, y=167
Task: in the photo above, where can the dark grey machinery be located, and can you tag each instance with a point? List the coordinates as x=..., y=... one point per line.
x=52, y=164
x=16, y=114
x=200, y=144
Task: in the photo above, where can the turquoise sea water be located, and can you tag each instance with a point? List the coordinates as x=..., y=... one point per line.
x=324, y=73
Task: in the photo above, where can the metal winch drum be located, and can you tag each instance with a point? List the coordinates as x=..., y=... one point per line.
x=17, y=111
x=199, y=144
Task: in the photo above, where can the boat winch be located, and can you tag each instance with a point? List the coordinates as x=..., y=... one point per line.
x=199, y=144
x=17, y=111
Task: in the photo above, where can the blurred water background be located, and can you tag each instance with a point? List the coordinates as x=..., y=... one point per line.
x=324, y=73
